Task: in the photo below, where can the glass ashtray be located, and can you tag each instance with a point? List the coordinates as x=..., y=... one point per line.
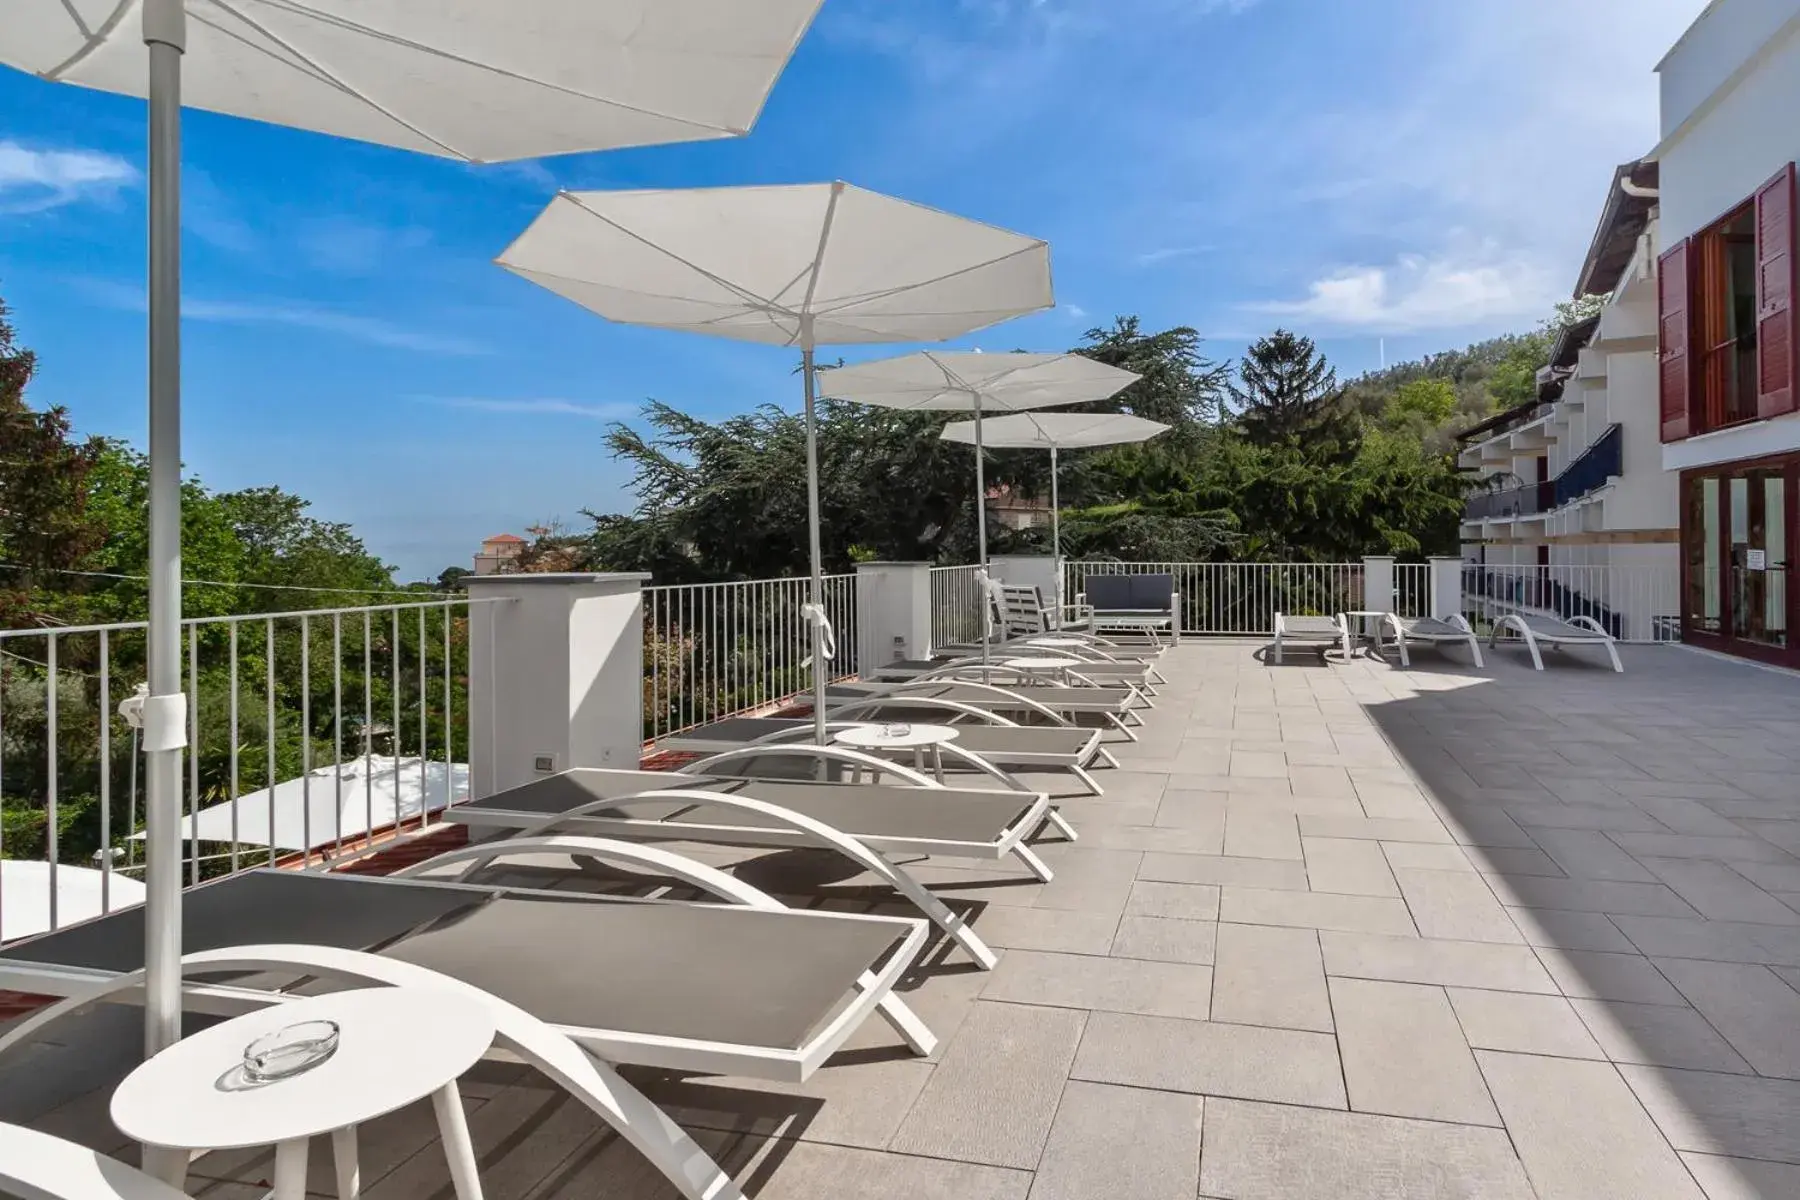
x=290, y=1051
x=896, y=729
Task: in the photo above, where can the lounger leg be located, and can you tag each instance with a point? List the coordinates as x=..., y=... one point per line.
x=904, y=1021
x=167, y=1164
x=1154, y=675
x=1475, y=649
x=1033, y=863
x=1613, y=653
x=1107, y=756
x=459, y=1152
x=344, y=1158
x=1537, y=660
x=1052, y=817
x=1121, y=726
x=1087, y=781
x=1278, y=649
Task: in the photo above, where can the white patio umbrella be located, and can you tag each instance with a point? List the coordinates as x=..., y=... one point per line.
x=27, y=888
x=970, y=381
x=1055, y=431
x=804, y=265
x=465, y=79
x=332, y=804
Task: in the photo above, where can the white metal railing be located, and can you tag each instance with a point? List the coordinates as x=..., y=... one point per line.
x=272, y=698
x=956, y=600
x=1637, y=603
x=1242, y=599
x=713, y=650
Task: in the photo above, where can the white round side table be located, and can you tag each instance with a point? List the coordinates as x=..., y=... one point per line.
x=1056, y=667
x=396, y=1045
x=917, y=738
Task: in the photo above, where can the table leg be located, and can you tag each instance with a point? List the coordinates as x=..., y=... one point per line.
x=918, y=758
x=459, y=1152
x=937, y=761
x=290, y=1169
x=349, y=1169
x=167, y=1164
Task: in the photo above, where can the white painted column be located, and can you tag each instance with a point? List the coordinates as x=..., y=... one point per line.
x=893, y=612
x=1378, y=583
x=1037, y=570
x=1446, y=587
x=556, y=675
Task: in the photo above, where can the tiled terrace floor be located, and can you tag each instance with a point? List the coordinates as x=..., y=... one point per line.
x=1336, y=932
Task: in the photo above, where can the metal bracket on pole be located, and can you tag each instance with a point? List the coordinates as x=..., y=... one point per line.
x=165, y=23
x=165, y=722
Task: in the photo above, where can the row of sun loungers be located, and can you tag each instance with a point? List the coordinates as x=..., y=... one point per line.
x=584, y=980
x=1534, y=630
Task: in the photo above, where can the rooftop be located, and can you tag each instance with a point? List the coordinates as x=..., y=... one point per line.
x=1335, y=932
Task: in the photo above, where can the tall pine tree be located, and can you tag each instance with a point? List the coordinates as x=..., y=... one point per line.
x=1287, y=396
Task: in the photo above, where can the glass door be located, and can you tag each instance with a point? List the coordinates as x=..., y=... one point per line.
x=1758, y=565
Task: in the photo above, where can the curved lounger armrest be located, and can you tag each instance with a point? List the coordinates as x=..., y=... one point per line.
x=1006, y=695
x=955, y=712
x=38, y=1166
x=788, y=743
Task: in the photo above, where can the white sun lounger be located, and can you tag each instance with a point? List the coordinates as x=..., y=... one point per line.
x=1536, y=630
x=1012, y=696
x=1098, y=672
x=866, y=823
x=1323, y=632
x=37, y=1166
x=1429, y=631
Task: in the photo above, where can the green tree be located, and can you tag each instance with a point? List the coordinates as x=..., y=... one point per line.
x=1180, y=385
x=1287, y=395
x=1432, y=401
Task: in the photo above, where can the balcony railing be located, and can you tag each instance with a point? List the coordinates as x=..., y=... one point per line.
x=1509, y=502
x=1633, y=603
x=1242, y=598
x=363, y=710
x=1600, y=462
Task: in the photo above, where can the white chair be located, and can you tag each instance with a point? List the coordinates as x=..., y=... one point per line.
x=1538, y=630
x=1430, y=631
x=37, y=1166
x=1323, y=632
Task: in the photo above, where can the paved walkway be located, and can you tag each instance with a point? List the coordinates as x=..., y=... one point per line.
x=1336, y=932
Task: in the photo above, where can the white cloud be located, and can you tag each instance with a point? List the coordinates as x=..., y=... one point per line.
x=1420, y=293
x=534, y=407
x=1074, y=312
x=300, y=315
x=33, y=180
x=1161, y=254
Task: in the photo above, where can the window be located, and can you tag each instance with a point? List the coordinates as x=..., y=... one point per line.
x=1727, y=318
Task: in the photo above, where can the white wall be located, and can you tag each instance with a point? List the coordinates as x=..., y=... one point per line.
x=1725, y=135
x=1646, y=496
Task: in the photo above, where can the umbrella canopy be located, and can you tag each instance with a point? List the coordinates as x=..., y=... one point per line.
x=1055, y=431
x=332, y=804
x=81, y=893
x=466, y=79
x=805, y=265
x=970, y=381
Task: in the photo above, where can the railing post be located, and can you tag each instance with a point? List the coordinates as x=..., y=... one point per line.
x=893, y=612
x=1378, y=583
x=556, y=675
x=1446, y=587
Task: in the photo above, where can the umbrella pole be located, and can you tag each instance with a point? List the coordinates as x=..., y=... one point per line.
x=1056, y=539
x=165, y=718
x=817, y=587
x=981, y=555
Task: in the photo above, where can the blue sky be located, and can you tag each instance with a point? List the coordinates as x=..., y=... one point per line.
x=1413, y=171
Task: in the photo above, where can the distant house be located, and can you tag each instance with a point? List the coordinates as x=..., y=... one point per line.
x=498, y=552
x=1016, y=510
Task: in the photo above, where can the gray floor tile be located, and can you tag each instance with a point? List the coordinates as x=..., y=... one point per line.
x=1428, y=856
x=1094, y=982
x=1457, y=905
x=1314, y=910
x=1681, y=845
x=1276, y=1152
x=1005, y=926
x=1266, y=975
x=1515, y=860
x=1523, y=1024
x=1250, y=833
x=1611, y=818
x=1581, y=1133
x=1591, y=895
x=1212, y=1059
x=1742, y=1178
x=810, y=1171
x=992, y=1098
x=1593, y=975
x=1427, y=960
x=1658, y=1035
x=1124, y=1142
x=1180, y=901
x=1374, y=829
x=849, y=1101
x=1754, y=1009
x=1567, y=930
x=1734, y=1115
x=1404, y=1053
x=1713, y=941
x=1165, y=939
x=1720, y=893
x=1590, y=854
x=1350, y=866
x=1215, y=870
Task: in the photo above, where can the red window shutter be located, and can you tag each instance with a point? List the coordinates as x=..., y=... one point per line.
x=1677, y=366
x=1776, y=392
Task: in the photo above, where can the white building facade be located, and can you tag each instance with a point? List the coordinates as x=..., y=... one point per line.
x=1576, y=515
x=1729, y=387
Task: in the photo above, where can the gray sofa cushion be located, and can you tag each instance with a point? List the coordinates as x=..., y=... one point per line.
x=1131, y=593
